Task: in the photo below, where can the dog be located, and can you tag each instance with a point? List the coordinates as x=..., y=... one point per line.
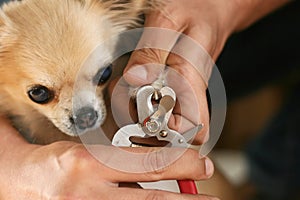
x=43, y=45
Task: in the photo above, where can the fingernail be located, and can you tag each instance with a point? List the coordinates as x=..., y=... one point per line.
x=209, y=167
x=136, y=75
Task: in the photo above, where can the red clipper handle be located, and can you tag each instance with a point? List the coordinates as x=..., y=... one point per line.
x=187, y=187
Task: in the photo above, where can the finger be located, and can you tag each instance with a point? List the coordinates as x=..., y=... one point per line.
x=139, y=194
x=189, y=79
x=151, y=164
x=191, y=107
x=190, y=49
x=153, y=49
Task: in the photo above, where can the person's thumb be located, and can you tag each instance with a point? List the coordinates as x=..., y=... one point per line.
x=148, y=60
x=144, y=66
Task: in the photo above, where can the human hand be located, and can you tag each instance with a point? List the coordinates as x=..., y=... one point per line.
x=209, y=24
x=188, y=81
x=66, y=170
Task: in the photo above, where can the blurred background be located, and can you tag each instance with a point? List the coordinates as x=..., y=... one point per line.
x=258, y=154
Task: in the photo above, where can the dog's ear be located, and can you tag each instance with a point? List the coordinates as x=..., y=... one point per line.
x=3, y=27
x=7, y=30
x=5, y=21
x=3, y=18
x=2, y=15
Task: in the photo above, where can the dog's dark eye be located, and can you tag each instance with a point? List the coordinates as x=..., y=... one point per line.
x=40, y=94
x=103, y=75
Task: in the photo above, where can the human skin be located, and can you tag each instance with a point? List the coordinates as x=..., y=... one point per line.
x=208, y=23
x=65, y=170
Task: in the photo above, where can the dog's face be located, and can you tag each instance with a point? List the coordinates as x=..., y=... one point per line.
x=44, y=44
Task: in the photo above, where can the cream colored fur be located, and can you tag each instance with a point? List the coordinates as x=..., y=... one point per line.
x=46, y=42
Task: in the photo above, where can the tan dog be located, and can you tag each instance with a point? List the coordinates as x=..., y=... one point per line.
x=43, y=45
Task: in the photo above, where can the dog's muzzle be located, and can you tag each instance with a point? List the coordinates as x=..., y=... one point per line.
x=85, y=118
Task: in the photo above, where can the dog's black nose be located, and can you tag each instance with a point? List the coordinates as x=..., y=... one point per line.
x=85, y=118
